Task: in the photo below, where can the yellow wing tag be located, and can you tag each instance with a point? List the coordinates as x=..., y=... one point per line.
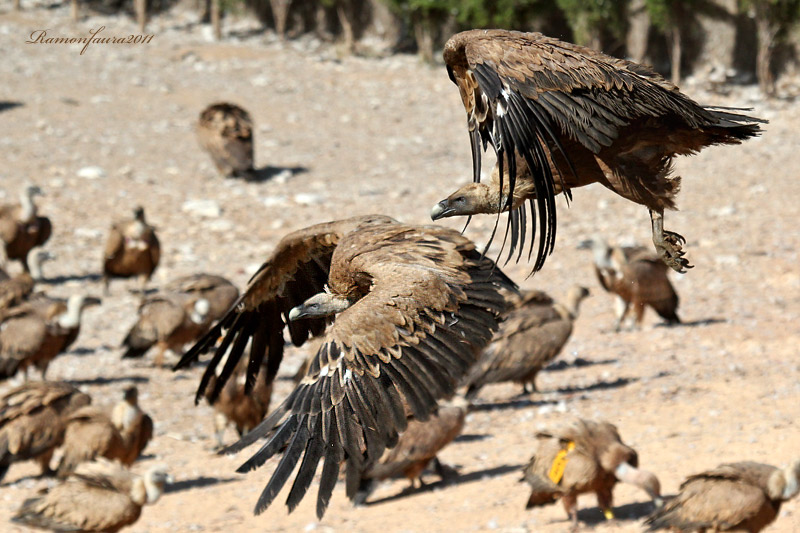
x=560, y=463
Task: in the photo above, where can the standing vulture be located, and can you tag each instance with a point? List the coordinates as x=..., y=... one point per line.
x=561, y=116
x=637, y=277
x=89, y=435
x=219, y=292
x=413, y=307
x=584, y=456
x=21, y=228
x=417, y=446
x=14, y=291
x=32, y=421
x=99, y=496
x=34, y=333
x=135, y=426
x=225, y=131
x=531, y=336
x=132, y=249
x=744, y=496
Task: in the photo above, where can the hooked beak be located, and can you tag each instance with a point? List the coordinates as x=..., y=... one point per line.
x=297, y=312
x=441, y=210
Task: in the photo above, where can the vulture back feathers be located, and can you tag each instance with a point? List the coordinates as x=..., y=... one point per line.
x=225, y=131
x=560, y=115
x=89, y=434
x=132, y=249
x=413, y=306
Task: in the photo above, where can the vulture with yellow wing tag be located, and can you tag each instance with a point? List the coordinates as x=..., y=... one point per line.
x=411, y=307
x=561, y=116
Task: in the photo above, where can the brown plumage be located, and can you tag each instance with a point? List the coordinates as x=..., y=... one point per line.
x=561, y=116
x=595, y=459
x=99, y=496
x=225, y=131
x=34, y=333
x=742, y=496
x=14, y=291
x=135, y=426
x=89, y=434
x=32, y=421
x=21, y=228
x=219, y=292
x=417, y=446
x=413, y=305
x=531, y=336
x=637, y=277
x=132, y=250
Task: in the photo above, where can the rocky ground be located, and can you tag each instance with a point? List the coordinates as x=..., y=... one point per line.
x=112, y=128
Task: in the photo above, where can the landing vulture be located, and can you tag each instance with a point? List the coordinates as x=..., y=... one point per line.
x=637, y=277
x=584, y=456
x=32, y=421
x=531, y=336
x=225, y=131
x=99, y=496
x=561, y=116
x=22, y=228
x=413, y=306
x=742, y=496
x=132, y=250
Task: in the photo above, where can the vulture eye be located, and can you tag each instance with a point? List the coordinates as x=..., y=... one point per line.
x=460, y=200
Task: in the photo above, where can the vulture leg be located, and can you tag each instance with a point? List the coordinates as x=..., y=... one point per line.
x=638, y=309
x=142, y=284
x=42, y=368
x=44, y=463
x=570, y=502
x=668, y=244
x=106, y=281
x=604, y=501
x=621, y=308
x=220, y=423
x=158, y=360
x=366, y=488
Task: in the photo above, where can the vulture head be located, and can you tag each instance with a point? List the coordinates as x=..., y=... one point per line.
x=599, y=248
x=131, y=395
x=155, y=480
x=471, y=199
x=138, y=213
x=647, y=481
x=33, y=190
x=320, y=305
x=200, y=311
x=36, y=258
x=784, y=484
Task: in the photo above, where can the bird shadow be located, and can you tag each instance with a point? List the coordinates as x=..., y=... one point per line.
x=471, y=437
x=450, y=481
x=600, y=385
x=516, y=403
x=268, y=172
x=593, y=516
x=693, y=323
x=197, y=483
x=108, y=380
x=5, y=105
x=58, y=280
x=579, y=362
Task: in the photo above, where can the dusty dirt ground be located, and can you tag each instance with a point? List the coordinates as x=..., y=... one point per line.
x=343, y=136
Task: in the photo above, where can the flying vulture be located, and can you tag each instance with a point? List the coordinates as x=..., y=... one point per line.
x=21, y=227
x=637, y=277
x=225, y=131
x=744, y=496
x=560, y=116
x=99, y=496
x=584, y=456
x=531, y=336
x=34, y=333
x=413, y=307
x=132, y=250
x=32, y=421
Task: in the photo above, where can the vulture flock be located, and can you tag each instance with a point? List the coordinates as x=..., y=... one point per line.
x=407, y=322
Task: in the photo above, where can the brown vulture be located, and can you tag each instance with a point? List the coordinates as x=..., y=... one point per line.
x=531, y=336
x=413, y=307
x=744, y=496
x=21, y=227
x=99, y=496
x=225, y=131
x=135, y=426
x=219, y=292
x=637, y=277
x=132, y=249
x=14, y=291
x=559, y=116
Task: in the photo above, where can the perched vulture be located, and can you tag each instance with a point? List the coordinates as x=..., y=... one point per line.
x=14, y=291
x=99, y=496
x=584, y=456
x=234, y=406
x=743, y=496
x=413, y=307
x=89, y=435
x=561, y=116
x=170, y=321
x=417, y=446
x=531, y=336
x=219, y=292
x=132, y=249
x=32, y=421
x=637, y=277
x=135, y=426
x=21, y=228
x=34, y=333
x=225, y=131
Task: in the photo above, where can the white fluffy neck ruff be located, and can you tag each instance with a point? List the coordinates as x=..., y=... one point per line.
x=28, y=207
x=200, y=311
x=792, y=476
x=72, y=317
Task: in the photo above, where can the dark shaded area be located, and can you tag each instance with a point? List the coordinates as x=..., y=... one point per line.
x=579, y=362
x=6, y=105
x=628, y=512
x=519, y=403
x=197, y=483
x=459, y=480
x=693, y=323
x=600, y=385
x=268, y=172
x=108, y=381
x=82, y=350
x=58, y=280
x=471, y=437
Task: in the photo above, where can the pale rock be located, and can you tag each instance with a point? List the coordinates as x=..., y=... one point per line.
x=202, y=208
x=91, y=173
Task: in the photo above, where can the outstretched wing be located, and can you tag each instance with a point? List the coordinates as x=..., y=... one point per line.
x=296, y=270
x=432, y=305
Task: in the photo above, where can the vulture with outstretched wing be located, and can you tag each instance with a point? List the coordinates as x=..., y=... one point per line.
x=560, y=116
x=413, y=306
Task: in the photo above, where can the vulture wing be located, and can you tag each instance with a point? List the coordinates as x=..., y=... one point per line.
x=296, y=270
x=431, y=303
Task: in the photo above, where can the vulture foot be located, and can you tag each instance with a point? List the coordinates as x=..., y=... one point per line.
x=669, y=244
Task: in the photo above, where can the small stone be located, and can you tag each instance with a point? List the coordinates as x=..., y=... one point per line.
x=309, y=199
x=202, y=208
x=91, y=173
